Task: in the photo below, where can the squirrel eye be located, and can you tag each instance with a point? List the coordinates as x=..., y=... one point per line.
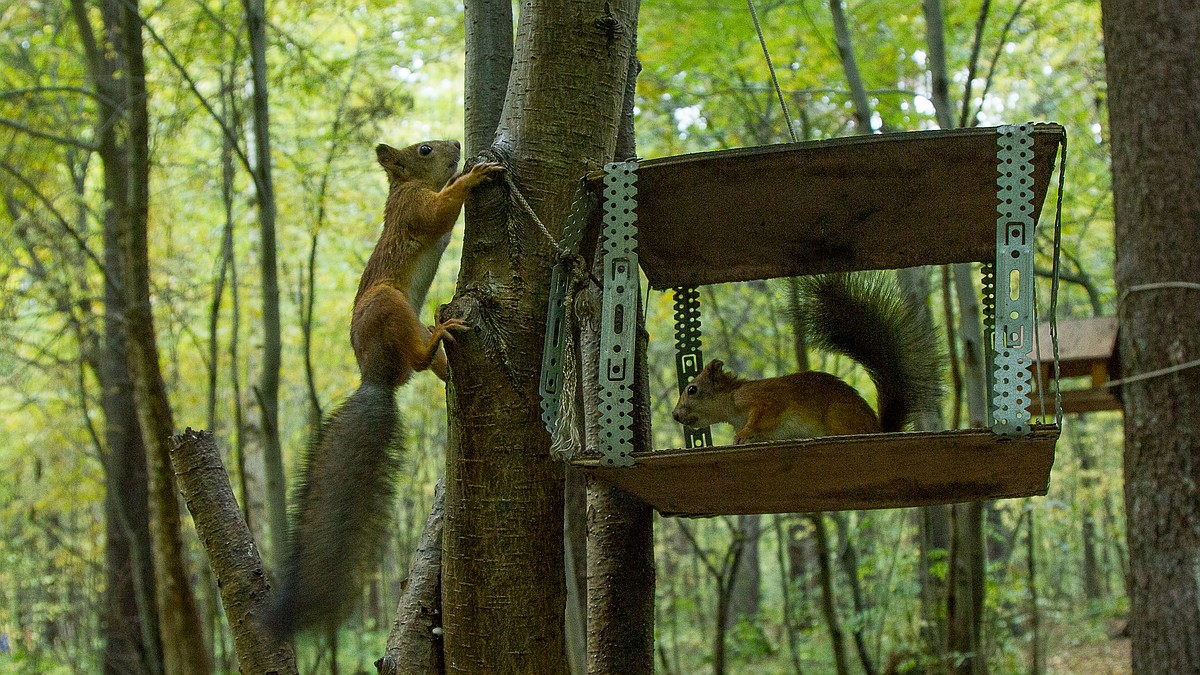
x=425, y=149
x=691, y=389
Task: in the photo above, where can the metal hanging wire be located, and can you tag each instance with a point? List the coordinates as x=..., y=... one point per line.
x=787, y=117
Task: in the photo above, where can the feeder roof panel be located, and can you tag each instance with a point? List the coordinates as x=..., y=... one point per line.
x=881, y=201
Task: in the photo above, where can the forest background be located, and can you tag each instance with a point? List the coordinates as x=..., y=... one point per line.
x=343, y=76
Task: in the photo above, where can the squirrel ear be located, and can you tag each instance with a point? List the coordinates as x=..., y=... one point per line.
x=715, y=366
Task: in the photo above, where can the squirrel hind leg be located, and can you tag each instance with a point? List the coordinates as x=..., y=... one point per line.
x=426, y=352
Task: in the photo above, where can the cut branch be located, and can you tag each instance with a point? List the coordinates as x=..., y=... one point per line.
x=231, y=551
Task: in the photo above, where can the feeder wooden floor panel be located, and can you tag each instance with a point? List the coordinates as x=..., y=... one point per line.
x=839, y=472
x=881, y=201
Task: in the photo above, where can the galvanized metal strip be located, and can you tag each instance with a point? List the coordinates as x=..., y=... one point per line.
x=1015, y=329
x=550, y=386
x=618, y=318
x=688, y=359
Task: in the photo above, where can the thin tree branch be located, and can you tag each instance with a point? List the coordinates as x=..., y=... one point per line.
x=45, y=135
x=973, y=63
x=26, y=91
x=45, y=200
x=187, y=78
x=987, y=83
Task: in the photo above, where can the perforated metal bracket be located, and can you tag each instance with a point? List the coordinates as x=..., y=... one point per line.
x=618, y=321
x=552, y=348
x=1014, y=329
x=688, y=359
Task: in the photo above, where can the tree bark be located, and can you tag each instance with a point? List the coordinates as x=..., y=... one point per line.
x=1152, y=55
x=231, y=552
x=575, y=558
x=503, y=586
x=267, y=391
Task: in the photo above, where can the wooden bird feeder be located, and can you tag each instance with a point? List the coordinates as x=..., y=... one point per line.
x=884, y=201
x=1087, y=350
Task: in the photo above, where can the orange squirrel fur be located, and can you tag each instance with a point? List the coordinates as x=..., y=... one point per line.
x=342, y=500
x=860, y=316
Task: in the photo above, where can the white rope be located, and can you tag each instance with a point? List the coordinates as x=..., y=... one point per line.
x=1155, y=286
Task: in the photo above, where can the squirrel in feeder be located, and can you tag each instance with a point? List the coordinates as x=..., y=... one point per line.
x=861, y=316
x=341, y=503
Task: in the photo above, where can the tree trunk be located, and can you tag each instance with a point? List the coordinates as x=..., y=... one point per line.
x=746, y=595
x=503, y=585
x=967, y=566
x=130, y=624
x=118, y=72
x=1153, y=56
x=267, y=391
x=933, y=522
x=1093, y=587
x=858, y=92
x=934, y=531
x=848, y=557
x=131, y=621
x=184, y=652
x=1037, y=659
x=965, y=602
x=575, y=558
x=787, y=590
x=837, y=638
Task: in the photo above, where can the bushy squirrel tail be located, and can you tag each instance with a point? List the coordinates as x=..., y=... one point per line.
x=863, y=316
x=340, y=511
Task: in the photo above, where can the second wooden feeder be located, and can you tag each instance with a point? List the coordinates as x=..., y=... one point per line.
x=867, y=202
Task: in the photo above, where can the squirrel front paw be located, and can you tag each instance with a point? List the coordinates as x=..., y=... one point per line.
x=744, y=437
x=480, y=172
